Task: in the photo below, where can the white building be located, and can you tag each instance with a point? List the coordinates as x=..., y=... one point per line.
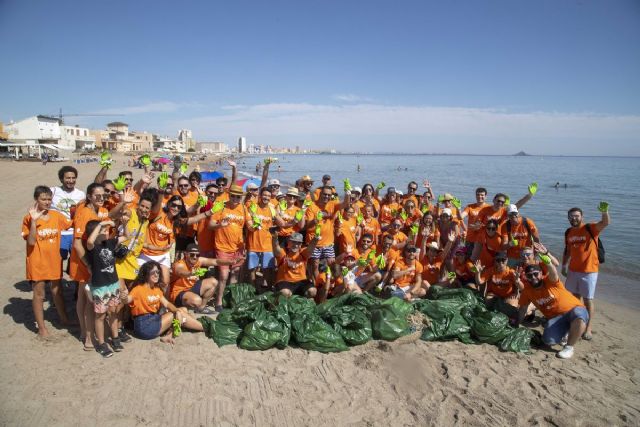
x=242, y=145
x=77, y=138
x=185, y=136
x=35, y=130
x=164, y=143
x=211, y=147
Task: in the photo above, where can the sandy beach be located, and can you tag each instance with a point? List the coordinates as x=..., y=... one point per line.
x=197, y=383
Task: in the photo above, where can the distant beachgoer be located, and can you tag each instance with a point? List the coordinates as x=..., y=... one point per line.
x=580, y=263
x=557, y=185
x=358, y=168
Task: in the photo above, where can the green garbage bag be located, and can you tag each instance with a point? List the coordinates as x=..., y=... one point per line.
x=466, y=296
x=487, y=326
x=352, y=323
x=518, y=341
x=312, y=333
x=222, y=332
x=445, y=320
x=236, y=293
x=264, y=333
x=389, y=319
x=247, y=311
x=299, y=305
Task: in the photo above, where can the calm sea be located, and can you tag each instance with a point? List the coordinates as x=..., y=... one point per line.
x=589, y=180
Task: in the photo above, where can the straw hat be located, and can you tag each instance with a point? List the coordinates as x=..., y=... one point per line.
x=236, y=190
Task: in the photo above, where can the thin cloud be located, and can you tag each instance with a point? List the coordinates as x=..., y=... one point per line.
x=349, y=97
x=151, y=107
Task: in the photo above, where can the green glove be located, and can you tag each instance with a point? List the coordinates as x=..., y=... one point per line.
x=371, y=256
x=202, y=201
x=105, y=159
x=451, y=275
x=306, y=204
x=381, y=185
x=474, y=269
x=507, y=201
x=381, y=263
x=340, y=218
x=145, y=159
x=318, y=229
x=404, y=215
x=162, y=180
x=283, y=204
x=345, y=271
x=424, y=209
x=603, y=207
x=183, y=168
x=533, y=188
x=394, y=212
x=177, y=329
x=217, y=206
x=514, y=242
x=267, y=160
x=546, y=259
x=359, y=219
x=362, y=262
x=347, y=184
x=253, y=208
x=120, y=183
x=257, y=222
x=456, y=202
x=298, y=216
x=414, y=229
x=319, y=216
x=441, y=198
x=200, y=272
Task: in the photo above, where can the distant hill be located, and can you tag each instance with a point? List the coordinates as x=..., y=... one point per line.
x=521, y=153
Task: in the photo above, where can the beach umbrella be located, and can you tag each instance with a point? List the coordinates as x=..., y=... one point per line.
x=162, y=160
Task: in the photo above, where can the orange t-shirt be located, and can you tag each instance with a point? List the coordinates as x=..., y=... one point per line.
x=432, y=269
x=259, y=239
x=473, y=219
x=463, y=269
x=388, y=212
x=180, y=283
x=43, y=258
x=501, y=284
x=552, y=299
x=288, y=215
x=360, y=205
x=433, y=237
x=372, y=226
x=488, y=213
x=206, y=241
x=583, y=250
x=326, y=225
x=519, y=232
x=347, y=234
x=490, y=247
x=409, y=278
x=160, y=233
x=291, y=268
x=77, y=270
x=390, y=257
x=230, y=239
x=398, y=238
x=145, y=300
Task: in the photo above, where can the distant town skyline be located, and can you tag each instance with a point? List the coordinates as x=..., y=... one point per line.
x=491, y=77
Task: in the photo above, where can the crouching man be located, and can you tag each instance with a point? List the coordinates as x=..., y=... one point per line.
x=566, y=316
x=291, y=264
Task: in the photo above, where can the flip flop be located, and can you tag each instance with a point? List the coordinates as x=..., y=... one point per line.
x=587, y=336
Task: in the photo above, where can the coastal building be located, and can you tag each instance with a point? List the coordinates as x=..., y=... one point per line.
x=121, y=139
x=77, y=138
x=185, y=136
x=164, y=143
x=35, y=130
x=242, y=145
x=101, y=137
x=211, y=147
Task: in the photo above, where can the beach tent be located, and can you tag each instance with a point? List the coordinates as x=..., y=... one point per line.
x=211, y=175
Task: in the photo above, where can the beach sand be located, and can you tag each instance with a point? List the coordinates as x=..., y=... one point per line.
x=197, y=383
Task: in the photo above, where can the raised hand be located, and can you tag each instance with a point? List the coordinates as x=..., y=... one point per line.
x=533, y=188
x=145, y=159
x=381, y=185
x=34, y=213
x=162, y=180
x=147, y=178
x=298, y=216
x=183, y=168
x=119, y=183
x=456, y=202
x=201, y=201
x=231, y=163
x=540, y=248
x=603, y=207
x=426, y=183
x=347, y=185
x=217, y=206
x=129, y=195
x=105, y=160
x=306, y=204
x=479, y=268
x=507, y=201
x=451, y=236
x=359, y=219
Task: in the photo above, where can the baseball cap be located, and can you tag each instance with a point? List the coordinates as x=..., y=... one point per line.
x=532, y=267
x=296, y=237
x=501, y=255
x=252, y=186
x=391, y=190
x=326, y=177
x=512, y=209
x=274, y=182
x=192, y=247
x=446, y=211
x=356, y=190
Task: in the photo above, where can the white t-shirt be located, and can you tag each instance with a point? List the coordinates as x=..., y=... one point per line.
x=63, y=201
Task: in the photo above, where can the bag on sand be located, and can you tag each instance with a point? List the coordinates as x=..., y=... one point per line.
x=518, y=341
x=389, y=319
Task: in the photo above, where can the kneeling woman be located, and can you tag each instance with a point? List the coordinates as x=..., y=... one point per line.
x=145, y=300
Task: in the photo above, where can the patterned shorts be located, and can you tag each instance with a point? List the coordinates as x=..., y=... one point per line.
x=105, y=297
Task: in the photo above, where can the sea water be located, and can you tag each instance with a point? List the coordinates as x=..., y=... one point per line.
x=588, y=181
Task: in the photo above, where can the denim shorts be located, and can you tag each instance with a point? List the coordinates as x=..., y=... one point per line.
x=583, y=284
x=557, y=327
x=195, y=289
x=66, y=241
x=147, y=326
x=265, y=259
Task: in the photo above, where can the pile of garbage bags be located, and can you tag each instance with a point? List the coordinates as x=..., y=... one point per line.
x=260, y=322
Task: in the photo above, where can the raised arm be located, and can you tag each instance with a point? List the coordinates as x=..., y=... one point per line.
x=604, y=221
x=532, y=189
x=234, y=171
x=265, y=173
x=101, y=175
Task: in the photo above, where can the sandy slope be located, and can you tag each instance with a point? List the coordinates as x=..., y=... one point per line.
x=196, y=383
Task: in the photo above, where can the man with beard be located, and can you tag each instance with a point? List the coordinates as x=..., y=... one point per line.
x=64, y=200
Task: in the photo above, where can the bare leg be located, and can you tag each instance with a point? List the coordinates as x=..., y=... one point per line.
x=37, y=303
x=224, y=274
x=58, y=300
x=88, y=317
x=575, y=332
x=113, y=321
x=590, y=304
x=99, y=327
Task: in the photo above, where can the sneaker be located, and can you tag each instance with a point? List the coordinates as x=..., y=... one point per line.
x=206, y=311
x=564, y=340
x=566, y=352
x=123, y=336
x=116, y=344
x=104, y=350
x=219, y=309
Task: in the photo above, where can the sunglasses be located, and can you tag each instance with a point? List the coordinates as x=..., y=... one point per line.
x=396, y=225
x=176, y=205
x=413, y=188
x=194, y=254
x=169, y=184
x=156, y=271
x=234, y=196
x=212, y=193
x=500, y=202
x=492, y=228
x=366, y=241
x=327, y=194
x=98, y=196
x=532, y=274
x=129, y=179
x=501, y=260
x=184, y=185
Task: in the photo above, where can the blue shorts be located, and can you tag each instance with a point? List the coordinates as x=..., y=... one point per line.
x=557, y=327
x=266, y=259
x=583, y=284
x=147, y=326
x=195, y=289
x=324, y=252
x=66, y=241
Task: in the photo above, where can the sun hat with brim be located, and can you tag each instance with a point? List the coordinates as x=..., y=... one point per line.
x=306, y=178
x=293, y=191
x=296, y=237
x=274, y=182
x=236, y=190
x=447, y=197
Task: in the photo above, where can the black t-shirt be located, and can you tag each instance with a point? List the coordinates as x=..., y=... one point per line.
x=103, y=263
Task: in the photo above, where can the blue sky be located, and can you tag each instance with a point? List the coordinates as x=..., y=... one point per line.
x=494, y=77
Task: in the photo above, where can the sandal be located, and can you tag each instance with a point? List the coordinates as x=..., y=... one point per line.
x=587, y=336
x=205, y=310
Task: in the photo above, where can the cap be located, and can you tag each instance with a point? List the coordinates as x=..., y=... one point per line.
x=512, y=209
x=274, y=182
x=306, y=178
x=447, y=197
x=353, y=254
x=279, y=195
x=433, y=245
x=446, y=211
x=236, y=190
x=501, y=255
x=532, y=267
x=192, y=247
x=356, y=190
x=391, y=190
x=296, y=237
x=326, y=177
x=399, y=193
x=293, y=191
x=252, y=186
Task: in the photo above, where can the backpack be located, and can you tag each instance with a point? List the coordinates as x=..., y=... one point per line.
x=599, y=245
x=527, y=226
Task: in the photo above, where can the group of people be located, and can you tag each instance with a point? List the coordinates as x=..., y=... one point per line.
x=160, y=248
